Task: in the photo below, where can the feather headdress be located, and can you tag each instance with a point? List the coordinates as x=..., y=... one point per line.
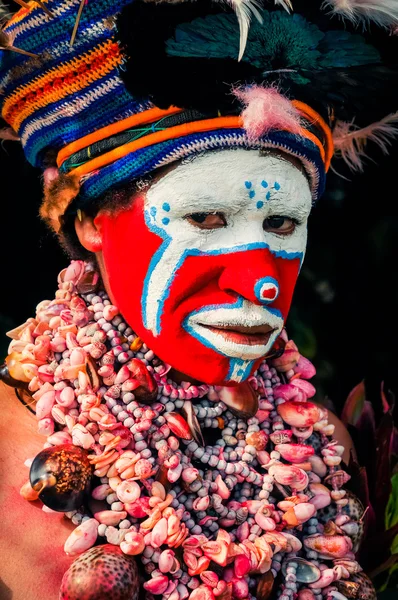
x=350, y=141
x=335, y=70
x=382, y=12
x=244, y=9
x=107, y=64
x=4, y=12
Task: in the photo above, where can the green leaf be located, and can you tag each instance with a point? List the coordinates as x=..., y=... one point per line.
x=388, y=582
x=391, y=517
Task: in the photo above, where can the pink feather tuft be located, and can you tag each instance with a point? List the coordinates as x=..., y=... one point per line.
x=350, y=141
x=49, y=175
x=267, y=109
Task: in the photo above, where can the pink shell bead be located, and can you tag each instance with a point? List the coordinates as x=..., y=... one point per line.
x=305, y=368
x=44, y=405
x=45, y=426
x=110, y=312
x=59, y=437
x=110, y=517
x=82, y=437
x=82, y=538
x=101, y=492
x=305, y=386
x=128, y=491
x=289, y=475
x=168, y=562
x=321, y=497
x=304, y=512
x=66, y=397
x=159, y=533
x=133, y=544
x=330, y=546
x=299, y=414
x=305, y=594
x=157, y=585
x=295, y=453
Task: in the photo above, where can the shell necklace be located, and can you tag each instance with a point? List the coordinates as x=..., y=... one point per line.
x=216, y=492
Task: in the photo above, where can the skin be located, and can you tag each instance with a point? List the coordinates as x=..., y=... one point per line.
x=32, y=558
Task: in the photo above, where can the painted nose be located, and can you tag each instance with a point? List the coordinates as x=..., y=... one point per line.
x=252, y=275
x=266, y=290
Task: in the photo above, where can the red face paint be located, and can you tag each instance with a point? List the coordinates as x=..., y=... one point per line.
x=201, y=281
x=209, y=302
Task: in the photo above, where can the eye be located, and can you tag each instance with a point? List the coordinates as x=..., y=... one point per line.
x=207, y=220
x=280, y=225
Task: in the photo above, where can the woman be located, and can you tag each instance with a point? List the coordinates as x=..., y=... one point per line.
x=176, y=411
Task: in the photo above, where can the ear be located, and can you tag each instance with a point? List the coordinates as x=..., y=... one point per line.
x=88, y=232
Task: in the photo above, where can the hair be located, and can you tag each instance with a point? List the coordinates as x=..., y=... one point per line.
x=113, y=200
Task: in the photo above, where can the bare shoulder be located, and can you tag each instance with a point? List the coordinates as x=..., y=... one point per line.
x=342, y=436
x=31, y=556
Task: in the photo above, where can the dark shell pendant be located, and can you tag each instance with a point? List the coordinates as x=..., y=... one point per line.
x=101, y=573
x=62, y=476
x=358, y=587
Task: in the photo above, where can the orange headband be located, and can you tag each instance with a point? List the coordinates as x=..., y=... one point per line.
x=177, y=131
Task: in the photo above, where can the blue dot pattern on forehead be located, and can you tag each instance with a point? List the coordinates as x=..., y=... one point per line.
x=252, y=192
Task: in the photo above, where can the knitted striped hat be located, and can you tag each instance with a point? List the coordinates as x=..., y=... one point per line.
x=70, y=91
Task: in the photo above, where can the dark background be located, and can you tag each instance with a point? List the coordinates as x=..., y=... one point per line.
x=344, y=312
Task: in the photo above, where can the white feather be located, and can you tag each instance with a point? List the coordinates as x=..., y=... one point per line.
x=382, y=12
x=4, y=11
x=286, y=4
x=350, y=141
x=245, y=9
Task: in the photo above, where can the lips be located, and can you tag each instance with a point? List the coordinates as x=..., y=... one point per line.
x=248, y=336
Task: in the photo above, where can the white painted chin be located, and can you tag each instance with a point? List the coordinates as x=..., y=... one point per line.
x=230, y=348
x=198, y=325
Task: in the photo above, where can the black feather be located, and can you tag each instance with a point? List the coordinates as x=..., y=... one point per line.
x=363, y=93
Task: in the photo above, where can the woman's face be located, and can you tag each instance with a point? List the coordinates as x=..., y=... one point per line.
x=204, y=263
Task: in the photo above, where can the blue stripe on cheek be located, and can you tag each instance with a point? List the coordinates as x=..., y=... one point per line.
x=167, y=240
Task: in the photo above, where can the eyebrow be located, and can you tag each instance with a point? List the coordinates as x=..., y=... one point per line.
x=297, y=209
x=211, y=204
x=207, y=203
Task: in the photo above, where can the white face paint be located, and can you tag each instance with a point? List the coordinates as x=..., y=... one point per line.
x=247, y=189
